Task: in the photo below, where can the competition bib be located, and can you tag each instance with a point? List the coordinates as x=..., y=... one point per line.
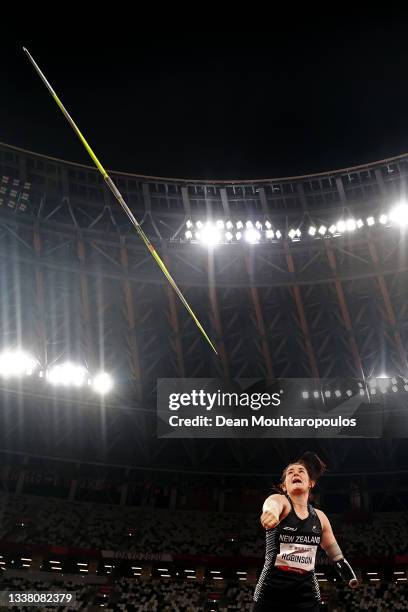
x=297, y=558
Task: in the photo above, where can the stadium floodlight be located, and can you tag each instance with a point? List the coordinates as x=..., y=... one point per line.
x=312, y=230
x=238, y=235
x=269, y=234
x=229, y=225
x=278, y=234
x=268, y=225
x=199, y=224
x=219, y=224
x=292, y=233
x=341, y=226
x=249, y=224
x=360, y=223
x=102, y=383
x=316, y=394
x=258, y=225
x=370, y=221
x=240, y=225
x=399, y=214
x=67, y=374
x=351, y=225
x=298, y=233
x=228, y=236
x=383, y=219
x=16, y=363
x=327, y=394
x=337, y=393
x=322, y=230
x=252, y=236
x=188, y=234
x=189, y=224
x=333, y=229
x=210, y=236
x=305, y=394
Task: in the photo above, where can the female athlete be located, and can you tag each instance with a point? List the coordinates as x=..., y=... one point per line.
x=294, y=531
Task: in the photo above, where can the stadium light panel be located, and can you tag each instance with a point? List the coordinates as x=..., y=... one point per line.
x=189, y=224
x=269, y=234
x=252, y=236
x=360, y=223
x=399, y=214
x=292, y=233
x=312, y=230
x=102, y=383
x=219, y=224
x=383, y=219
x=228, y=236
x=67, y=374
x=249, y=225
x=322, y=230
x=188, y=234
x=16, y=363
x=341, y=226
x=333, y=229
x=229, y=225
x=278, y=234
x=240, y=225
x=210, y=236
x=268, y=225
x=351, y=225
x=199, y=224
x=238, y=235
x=370, y=221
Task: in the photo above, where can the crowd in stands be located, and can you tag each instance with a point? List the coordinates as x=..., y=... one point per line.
x=183, y=596
x=37, y=520
x=374, y=598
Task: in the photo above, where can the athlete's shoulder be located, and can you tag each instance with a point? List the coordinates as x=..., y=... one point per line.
x=322, y=516
x=280, y=498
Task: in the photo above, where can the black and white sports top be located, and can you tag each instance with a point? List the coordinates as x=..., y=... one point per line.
x=289, y=570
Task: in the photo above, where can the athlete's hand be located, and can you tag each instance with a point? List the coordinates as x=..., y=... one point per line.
x=269, y=520
x=353, y=583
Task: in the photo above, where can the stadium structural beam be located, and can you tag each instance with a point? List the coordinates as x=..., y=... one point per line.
x=216, y=315
x=302, y=316
x=175, y=324
x=85, y=306
x=390, y=314
x=130, y=316
x=40, y=298
x=260, y=322
x=345, y=313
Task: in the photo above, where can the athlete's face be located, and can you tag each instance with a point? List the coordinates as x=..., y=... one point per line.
x=297, y=479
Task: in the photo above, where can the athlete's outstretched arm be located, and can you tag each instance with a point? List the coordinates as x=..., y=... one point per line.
x=272, y=510
x=333, y=551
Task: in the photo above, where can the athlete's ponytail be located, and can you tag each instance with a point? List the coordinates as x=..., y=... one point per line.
x=314, y=465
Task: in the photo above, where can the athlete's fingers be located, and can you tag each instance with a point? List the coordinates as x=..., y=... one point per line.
x=269, y=520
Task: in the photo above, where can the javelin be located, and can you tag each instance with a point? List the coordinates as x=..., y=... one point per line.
x=121, y=201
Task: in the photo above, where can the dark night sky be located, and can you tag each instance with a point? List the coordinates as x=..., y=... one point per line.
x=292, y=100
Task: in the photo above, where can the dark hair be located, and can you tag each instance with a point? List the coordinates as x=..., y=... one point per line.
x=314, y=465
